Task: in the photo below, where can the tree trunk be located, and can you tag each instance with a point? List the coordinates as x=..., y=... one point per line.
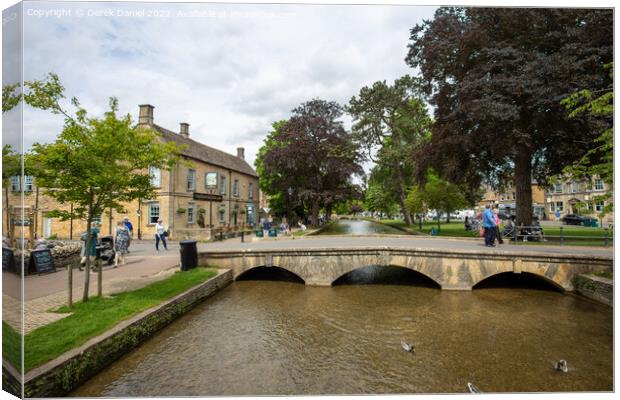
x=8, y=215
x=438, y=221
x=523, y=185
x=328, y=212
x=402, y=195
x=87, y=254
x=314, y=216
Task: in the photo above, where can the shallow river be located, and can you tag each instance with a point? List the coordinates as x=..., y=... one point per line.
x=359, y=227
x=283, y=338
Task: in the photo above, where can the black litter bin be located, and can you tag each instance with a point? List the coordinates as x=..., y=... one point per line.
x=189, y=254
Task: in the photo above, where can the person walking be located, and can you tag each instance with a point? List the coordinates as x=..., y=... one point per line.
x=498, y=234
x=121, y=243
x=92, y=253
x=488, y=222
x=129, y=227
x=160, y=234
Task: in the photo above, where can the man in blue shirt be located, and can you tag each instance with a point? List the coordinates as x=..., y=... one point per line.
x=488, y=222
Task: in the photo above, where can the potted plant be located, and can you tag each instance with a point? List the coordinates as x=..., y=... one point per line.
x=181, y=210
x=202, y=211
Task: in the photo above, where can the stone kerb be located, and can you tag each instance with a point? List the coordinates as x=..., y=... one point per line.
x=452, y=270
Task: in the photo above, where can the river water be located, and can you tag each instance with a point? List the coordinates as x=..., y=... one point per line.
x=283, y=338
x=359, y=227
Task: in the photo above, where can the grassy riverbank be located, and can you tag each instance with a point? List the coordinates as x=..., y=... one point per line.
x=99, y=314
x=573, y=235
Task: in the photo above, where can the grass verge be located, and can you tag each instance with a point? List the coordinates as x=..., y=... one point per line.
x=102, y=313
x=11, y=345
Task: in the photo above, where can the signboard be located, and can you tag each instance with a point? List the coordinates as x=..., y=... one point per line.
x=41, y=261
x=8, y=260
x=211, y=180
x=207, y=196
x=22, y=222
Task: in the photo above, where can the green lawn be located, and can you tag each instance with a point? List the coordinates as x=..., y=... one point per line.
x=100, y=314
x=573, y=235
x=11, y=345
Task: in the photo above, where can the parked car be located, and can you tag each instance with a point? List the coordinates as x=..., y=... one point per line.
x=573, y=219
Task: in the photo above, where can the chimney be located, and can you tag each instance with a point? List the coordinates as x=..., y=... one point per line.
x=184, y=129
x=146, y=114
x=240, y=151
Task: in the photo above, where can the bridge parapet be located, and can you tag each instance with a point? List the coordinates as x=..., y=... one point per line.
x=451, y=269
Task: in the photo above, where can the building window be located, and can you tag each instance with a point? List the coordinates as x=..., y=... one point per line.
x=222, y=184
x=574, y=187
x=28, y=183
x=513, y=195
x=236, y=188
x=191, y=180
x=153, y=213
x=600, y=205
x=155, y=174
x=598, y=184
x=250, y=190
x=552, y=207
x=190, y=214
x=559, y=205
x=15, y=184
x=222, y=215
x=557, y=188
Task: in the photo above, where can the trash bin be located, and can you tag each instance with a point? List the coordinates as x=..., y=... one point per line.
x=273, y=232
x=594, y=223
x=189, y=254
x=259, y=233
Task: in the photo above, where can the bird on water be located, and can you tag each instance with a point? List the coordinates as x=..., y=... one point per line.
x=472, y=388
x=408, y=347
x=561, y=365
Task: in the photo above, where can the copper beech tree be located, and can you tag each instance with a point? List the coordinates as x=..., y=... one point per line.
x=496, y=78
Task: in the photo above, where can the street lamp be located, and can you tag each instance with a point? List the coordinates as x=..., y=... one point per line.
x=288, y=204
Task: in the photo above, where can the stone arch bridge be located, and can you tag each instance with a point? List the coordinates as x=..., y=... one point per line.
x=450, y=269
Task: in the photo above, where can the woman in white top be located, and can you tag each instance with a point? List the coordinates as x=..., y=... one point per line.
x=160, y=234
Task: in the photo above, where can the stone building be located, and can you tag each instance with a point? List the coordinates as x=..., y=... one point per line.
x=208, y=192
x=505, y=199
x=578, y=197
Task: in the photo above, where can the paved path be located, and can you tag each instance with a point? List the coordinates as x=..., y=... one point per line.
x=145, y=265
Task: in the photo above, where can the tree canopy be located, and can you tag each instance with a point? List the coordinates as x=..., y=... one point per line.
x=312, y=155
x=390, y=122
x=496, y=84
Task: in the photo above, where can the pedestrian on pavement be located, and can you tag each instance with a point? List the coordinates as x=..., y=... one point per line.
x=121, y=243
x=498, y=234
x=94, y=231
x=129, y=226
x=266, y=227
x=160, y=234
x=488, y=222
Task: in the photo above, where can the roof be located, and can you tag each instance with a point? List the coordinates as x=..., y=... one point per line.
x=201, y=152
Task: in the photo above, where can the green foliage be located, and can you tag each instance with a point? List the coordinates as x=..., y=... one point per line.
x=599, y=160
x=10, y=96
x=390, y=123
x=181, y=210
x=100, y=314
x=378, y=199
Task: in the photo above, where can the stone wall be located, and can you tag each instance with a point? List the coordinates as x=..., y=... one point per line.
x=595, y=288
x=63, y=374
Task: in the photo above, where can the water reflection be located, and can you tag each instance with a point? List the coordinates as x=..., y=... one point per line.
x=281, y=338
x=359, y=227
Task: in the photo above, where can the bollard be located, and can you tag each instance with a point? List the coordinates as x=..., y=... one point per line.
x=606, y=237
x=242, y=233
x=221, y=236
x=561, y=236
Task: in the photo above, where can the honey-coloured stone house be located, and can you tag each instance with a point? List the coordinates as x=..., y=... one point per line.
x=210, y=191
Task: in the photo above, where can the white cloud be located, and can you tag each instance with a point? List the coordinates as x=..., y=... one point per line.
x=229, y=77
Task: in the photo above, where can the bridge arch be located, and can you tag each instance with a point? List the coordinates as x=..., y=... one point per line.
x=523, y=279
x=262, y=272
x=390, y=274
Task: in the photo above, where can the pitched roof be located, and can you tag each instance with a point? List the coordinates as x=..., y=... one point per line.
x=199, y=151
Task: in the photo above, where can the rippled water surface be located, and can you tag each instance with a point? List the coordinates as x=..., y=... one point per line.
x=281, y=338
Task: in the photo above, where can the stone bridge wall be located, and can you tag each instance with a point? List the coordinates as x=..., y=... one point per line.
x=452, y=270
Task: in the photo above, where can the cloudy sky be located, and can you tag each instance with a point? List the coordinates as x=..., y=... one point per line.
x=229, y=70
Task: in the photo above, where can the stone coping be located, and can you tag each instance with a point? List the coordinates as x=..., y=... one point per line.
x=70, y=369
x=451, y=253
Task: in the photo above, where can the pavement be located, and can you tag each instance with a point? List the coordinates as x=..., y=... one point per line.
x=144, y=265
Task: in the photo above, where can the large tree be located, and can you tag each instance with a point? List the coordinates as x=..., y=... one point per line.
x=496, y=77
x=312, y=155
x=391, y=121
x=95, y=163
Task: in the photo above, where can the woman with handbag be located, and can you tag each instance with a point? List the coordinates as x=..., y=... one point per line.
x=160, y=234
